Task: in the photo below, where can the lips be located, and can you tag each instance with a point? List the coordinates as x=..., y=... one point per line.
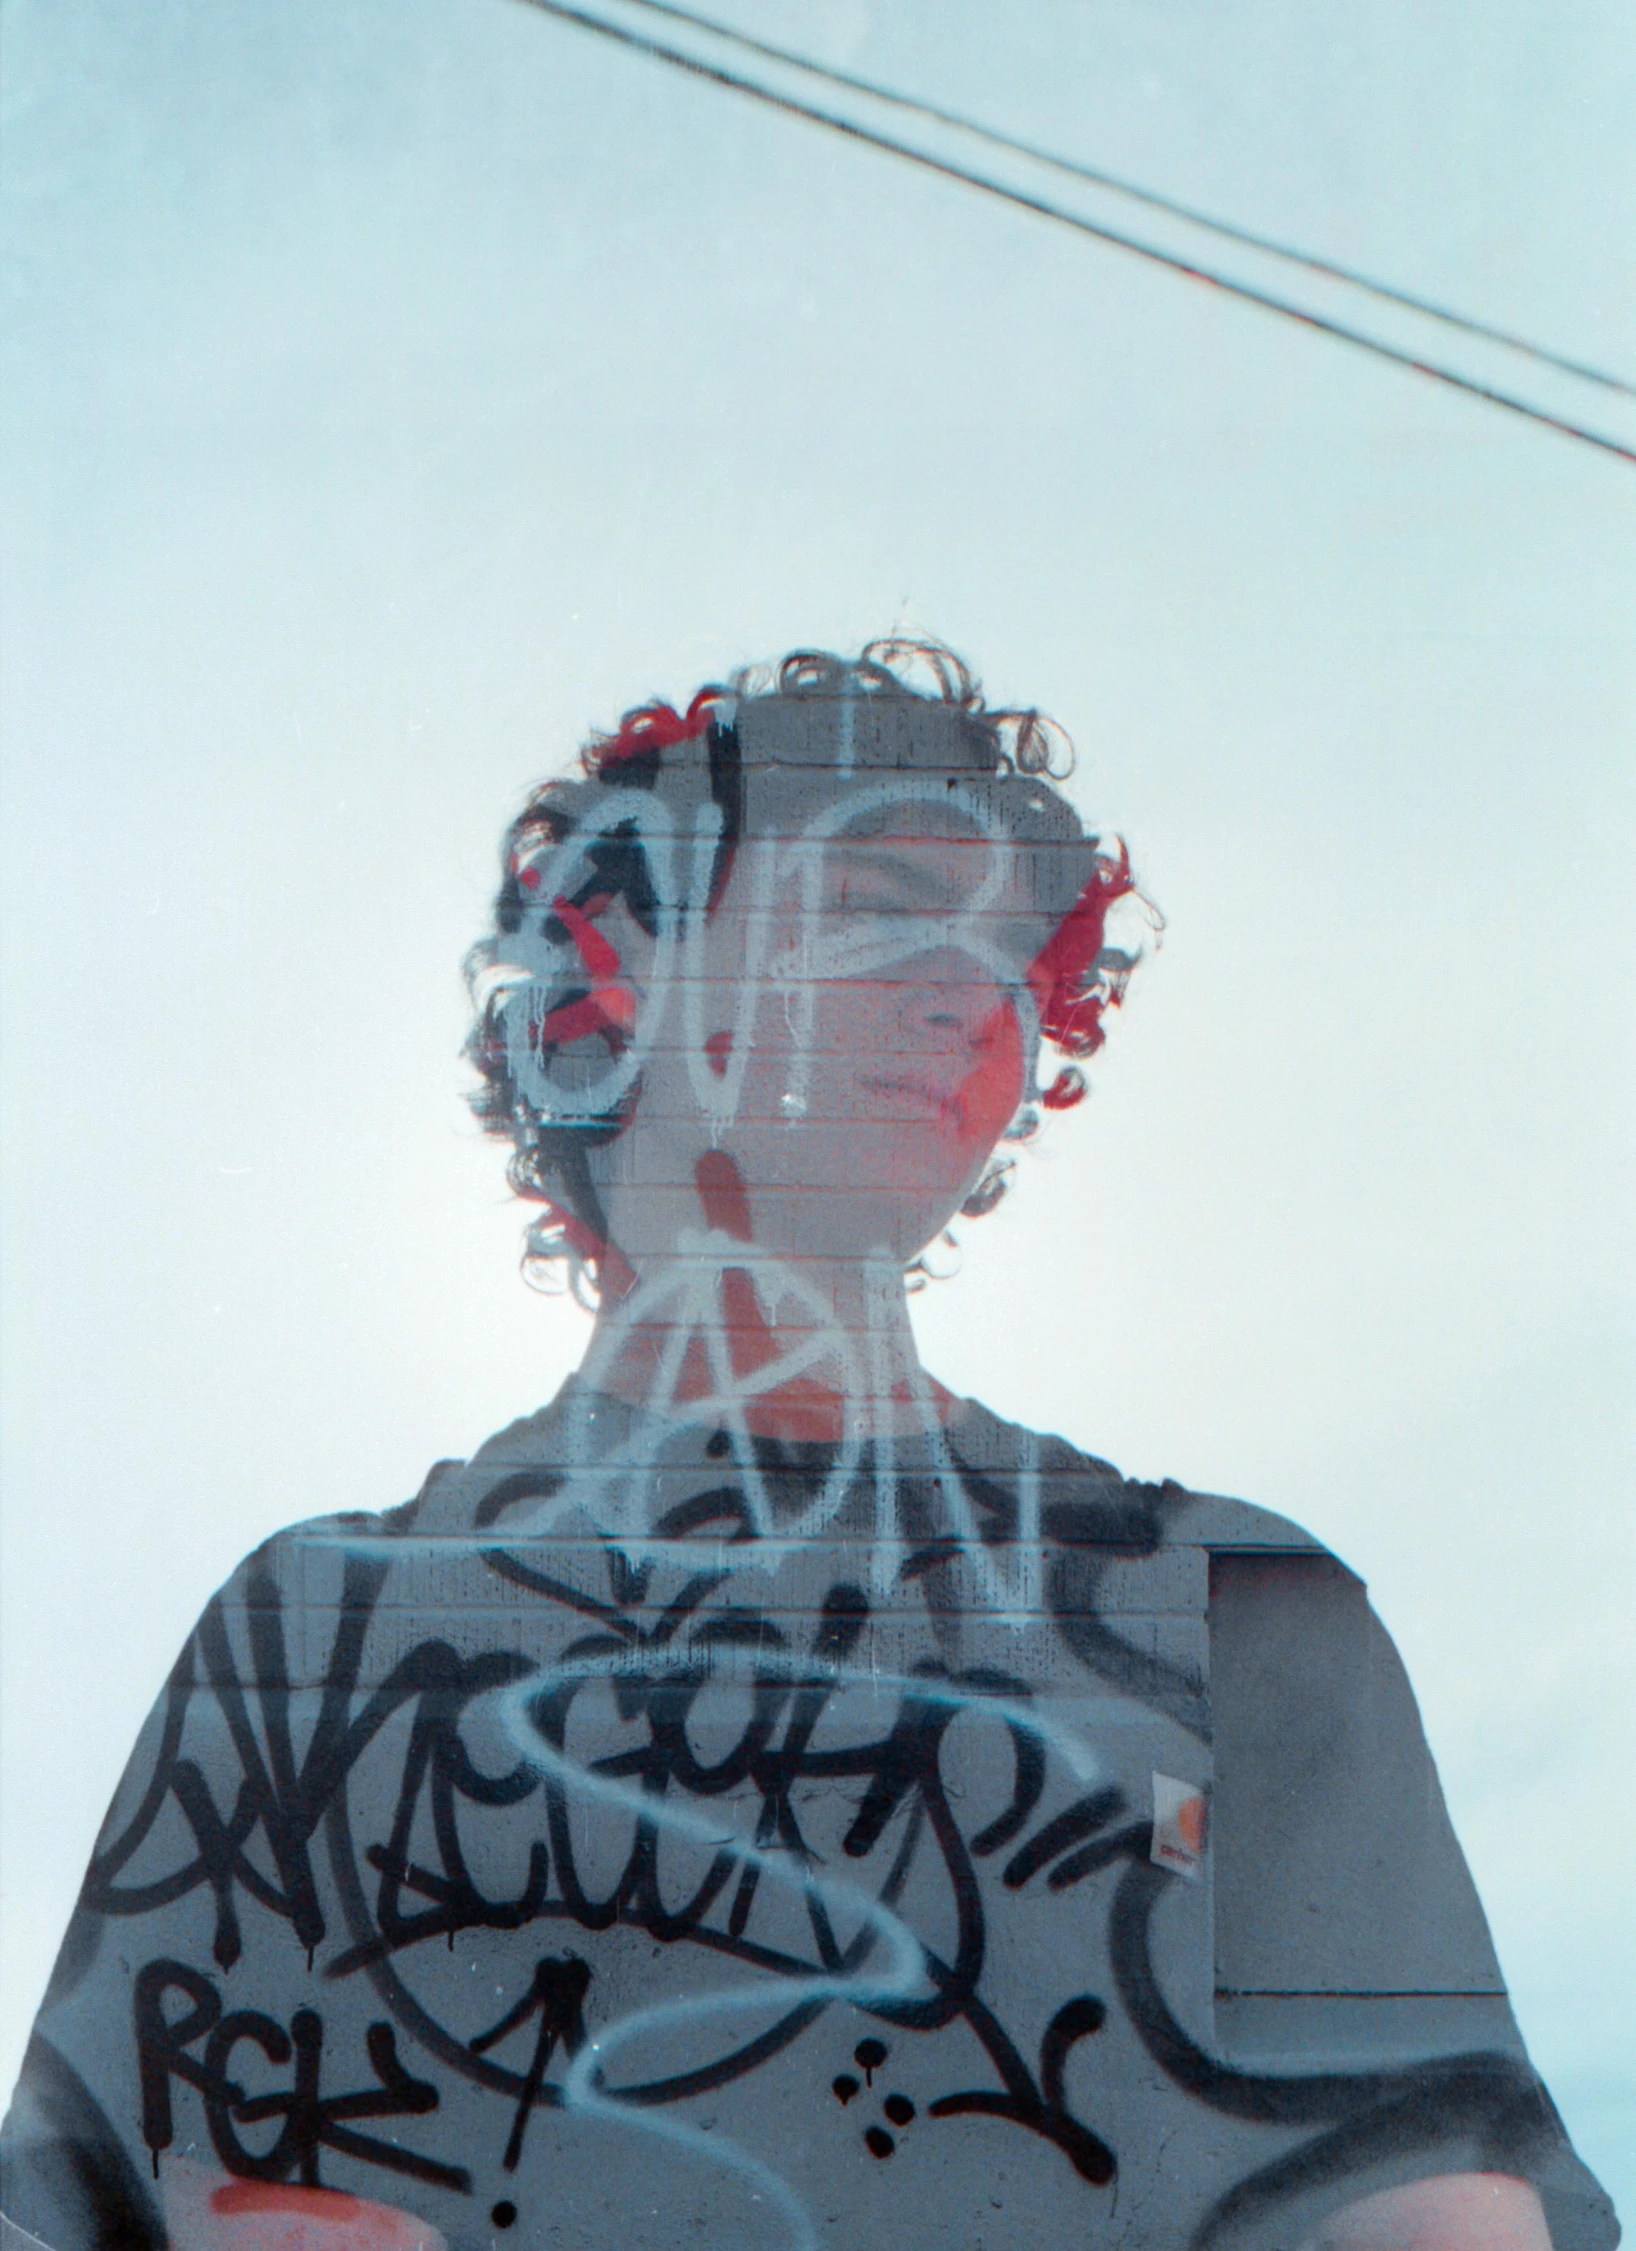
x=929, y=1093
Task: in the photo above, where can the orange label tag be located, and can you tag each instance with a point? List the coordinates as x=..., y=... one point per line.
x=1180, y=1825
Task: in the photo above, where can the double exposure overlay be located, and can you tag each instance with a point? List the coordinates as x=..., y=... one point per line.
x=763, y=1799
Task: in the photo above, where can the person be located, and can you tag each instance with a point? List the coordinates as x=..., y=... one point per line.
x=762, y=1798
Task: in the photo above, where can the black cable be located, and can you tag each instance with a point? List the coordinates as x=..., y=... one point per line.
x=717, y=75
x=1148, y=196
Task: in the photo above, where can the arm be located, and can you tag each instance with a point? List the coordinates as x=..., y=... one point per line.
x=1347, y=1920
x=1452, y=2212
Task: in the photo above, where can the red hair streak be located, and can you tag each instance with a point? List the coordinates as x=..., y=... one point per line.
x=1063, y=979
x=654, y=726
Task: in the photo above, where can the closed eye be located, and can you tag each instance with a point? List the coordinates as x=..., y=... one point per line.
x=860, y=896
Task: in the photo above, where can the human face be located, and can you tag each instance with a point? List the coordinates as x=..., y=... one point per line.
x=858, y=1012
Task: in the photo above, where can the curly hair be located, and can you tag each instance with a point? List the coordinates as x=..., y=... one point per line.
x=544, y=981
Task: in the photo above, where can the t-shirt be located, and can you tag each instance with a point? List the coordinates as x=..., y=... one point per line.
x=660, y=1837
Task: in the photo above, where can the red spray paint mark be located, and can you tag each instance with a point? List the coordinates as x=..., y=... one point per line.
x=750, y=1339
x=608, y=1015
x=719, y=1049
x=273, y=2196
x=380, y=2227
x=608, y=1010
x=599, y=954
x=751, y=1342
x=721, y=1192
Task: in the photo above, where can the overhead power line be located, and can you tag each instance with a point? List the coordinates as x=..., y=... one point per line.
x=717, y=73
x=1150, y=197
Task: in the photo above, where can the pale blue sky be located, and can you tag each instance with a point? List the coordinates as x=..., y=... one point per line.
x=392, y=390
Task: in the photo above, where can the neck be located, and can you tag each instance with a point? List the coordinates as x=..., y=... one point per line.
x=788, y=1348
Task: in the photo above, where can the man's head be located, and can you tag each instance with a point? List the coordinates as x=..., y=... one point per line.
x=786, y=964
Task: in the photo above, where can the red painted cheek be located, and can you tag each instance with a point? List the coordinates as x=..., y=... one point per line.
x=987, y=1097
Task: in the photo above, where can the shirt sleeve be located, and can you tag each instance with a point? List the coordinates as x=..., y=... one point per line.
x=68, y=2177
x=202, y=1893
x=1349, y=1934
